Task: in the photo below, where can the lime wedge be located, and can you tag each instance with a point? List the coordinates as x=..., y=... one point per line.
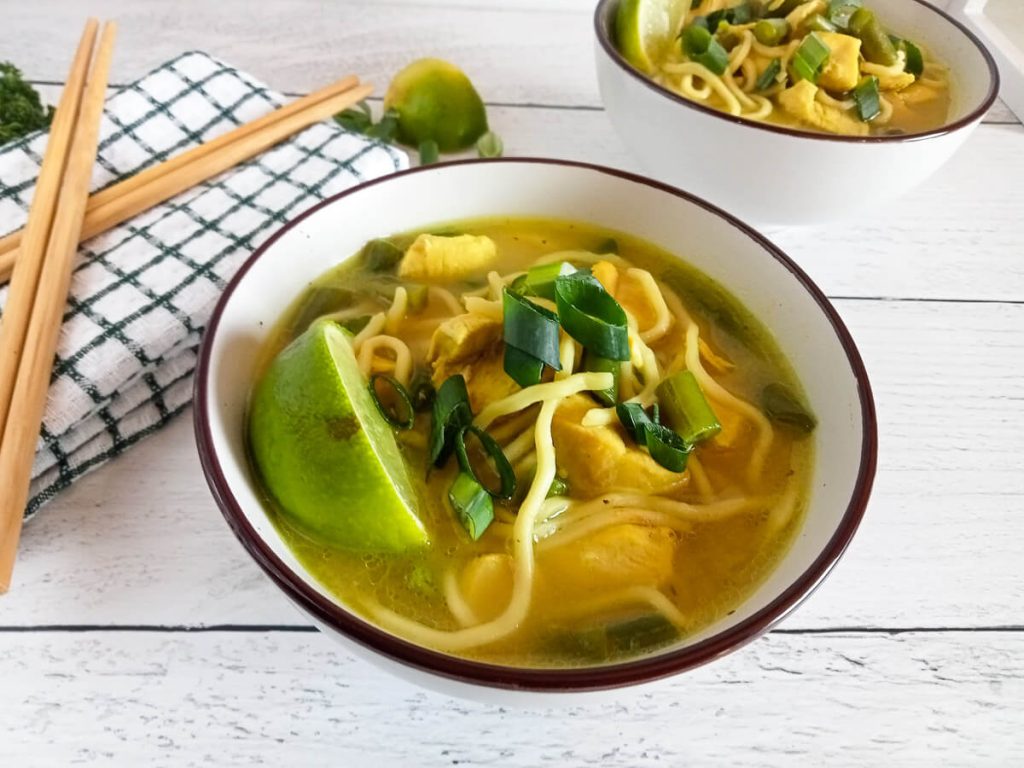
x=324, y=451
x=645, y=28
x=435, y=101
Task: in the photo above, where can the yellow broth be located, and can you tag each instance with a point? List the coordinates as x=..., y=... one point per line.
x=715, y=566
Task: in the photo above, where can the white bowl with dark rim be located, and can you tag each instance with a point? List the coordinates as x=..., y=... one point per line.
x=770, y=174
x=792, y=308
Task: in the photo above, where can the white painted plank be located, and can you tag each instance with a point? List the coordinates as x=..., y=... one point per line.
x=273, y=699
x=525, y=51
x=140, y=541
x=957, y=237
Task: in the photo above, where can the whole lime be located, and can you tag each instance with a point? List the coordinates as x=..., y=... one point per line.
x=434, y=100
x=324, y=451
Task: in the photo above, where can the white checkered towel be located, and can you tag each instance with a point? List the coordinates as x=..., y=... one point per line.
x=143, y=292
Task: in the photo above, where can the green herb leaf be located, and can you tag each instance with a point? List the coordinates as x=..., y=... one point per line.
x=21, y=110
x=357, y=119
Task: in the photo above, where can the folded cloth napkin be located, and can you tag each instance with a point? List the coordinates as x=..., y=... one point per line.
x=143, y=291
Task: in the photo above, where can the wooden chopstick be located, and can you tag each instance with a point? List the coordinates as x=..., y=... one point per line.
x=25, y=414
x=16, y=313
x=120, y=202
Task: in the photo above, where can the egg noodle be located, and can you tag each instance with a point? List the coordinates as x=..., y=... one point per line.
x=522, y=423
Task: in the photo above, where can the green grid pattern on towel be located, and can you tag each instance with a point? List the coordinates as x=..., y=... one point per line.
x=142, y=293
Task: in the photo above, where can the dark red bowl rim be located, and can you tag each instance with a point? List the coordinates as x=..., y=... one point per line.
x=605, y=9
x=584, y=679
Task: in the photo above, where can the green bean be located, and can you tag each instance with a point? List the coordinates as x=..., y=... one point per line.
x=875, y=43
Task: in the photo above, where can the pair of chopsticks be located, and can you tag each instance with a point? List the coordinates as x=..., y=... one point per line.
x=39, y=259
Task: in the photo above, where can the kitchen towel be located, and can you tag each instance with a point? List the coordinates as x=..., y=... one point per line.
x=143, y=292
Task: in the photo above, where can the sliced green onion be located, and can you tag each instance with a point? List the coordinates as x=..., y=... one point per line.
x=355, y=324
x=771, y=31
x=530, y=328
x=421, y=390
x=770, y=76
x=506, y=475
x=598, y=364
x=782, y=406
x=540, y=281
x=591, y=316
x=490, y=145
x=701, y=47
x=558, y=487
x=472, y=504
x=915, y=59
x=523, y=368
x=656, y=414
x=611, y=245
x=840, y=11
x=450, y=413
x=381, y=255
x=738, y=14
x=429, y=152
x=400, y=420
x=635, y=419
x=868, y=98
x=809, y=58
x=875, y=44
x=818, y=23
x=686, y=408
x=666, y=447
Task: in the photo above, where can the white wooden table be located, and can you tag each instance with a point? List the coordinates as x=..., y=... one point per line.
x=139, y=633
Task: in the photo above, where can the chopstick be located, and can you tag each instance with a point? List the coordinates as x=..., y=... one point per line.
x=128, y=198
x=40, y=331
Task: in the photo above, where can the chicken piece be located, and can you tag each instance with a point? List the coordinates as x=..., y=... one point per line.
x=799, y=101
x=599, y=459
x=460, y=339
x=896, y=82
x=486, y=380
x=630, y=293
x=607, y=275
x=615, y=557
x=842, y=70
x=486, y=584
x=440, y=259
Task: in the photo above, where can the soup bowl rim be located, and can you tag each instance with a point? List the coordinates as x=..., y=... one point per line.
x=662, y=664
x=605, y=8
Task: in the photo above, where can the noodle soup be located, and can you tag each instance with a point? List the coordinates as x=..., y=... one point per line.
x=599, y=451
x=830, y=66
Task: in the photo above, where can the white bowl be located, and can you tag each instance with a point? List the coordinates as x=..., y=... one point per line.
x=758, y=274
x=768, y=174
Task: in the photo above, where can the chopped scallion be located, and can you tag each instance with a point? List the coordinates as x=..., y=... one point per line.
x=840, y=11
x=666, y=447
x=782, y=406
x=915, y=59
x=818, y=23
x=598, y=364
x=686, y=408
x=490, y=145
x=771, y=31
x=531, y=328
x=523, y=368
x=501, y=465
x=558, y=487
x=450, y=413
x=402, y=415
x=868, y=98
x=810, y=58
x=381, y=255
x=700, y=45
x=590, y=315
x=472, y=504
x=540, y=281
x=770, y=76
